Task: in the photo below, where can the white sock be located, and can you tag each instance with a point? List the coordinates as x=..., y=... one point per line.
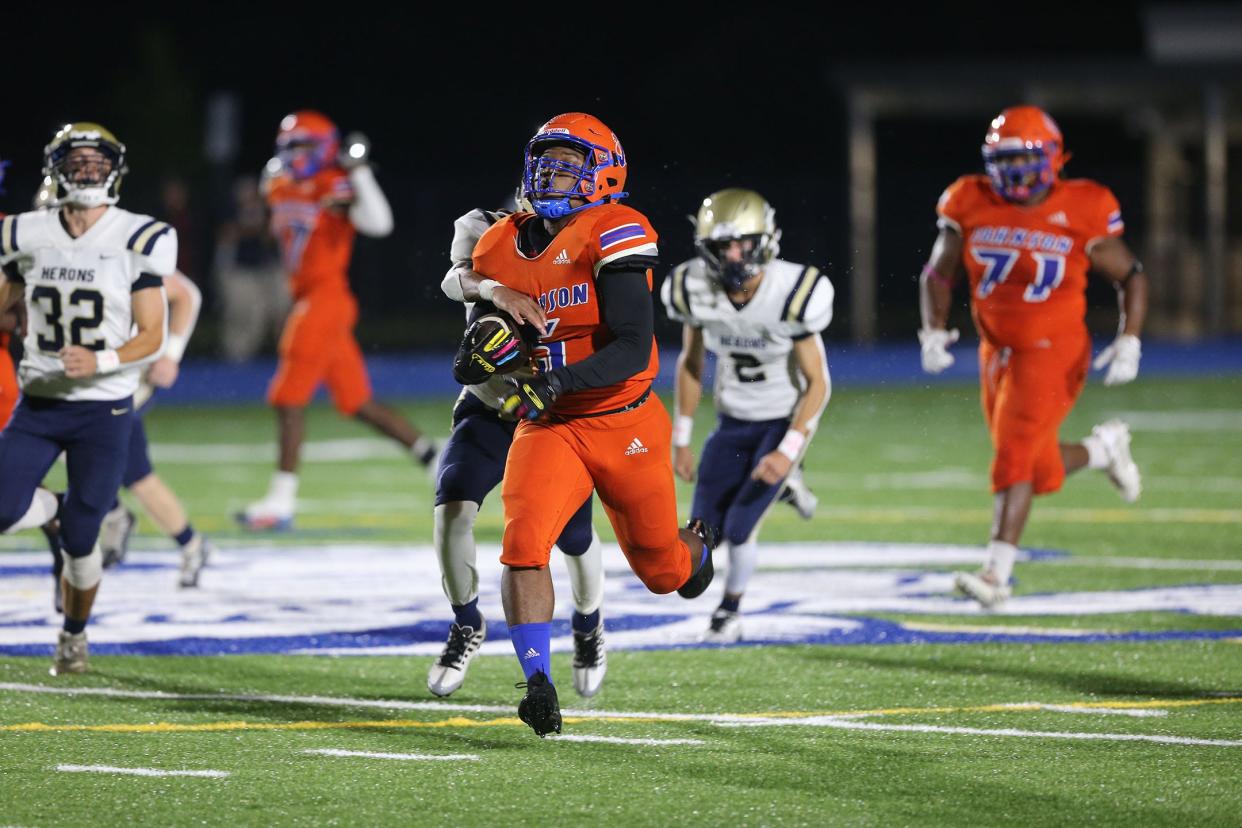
x=1097, y=452
x=1001, y=556
x=455, y=549
x=743, y=557
x=283, y=489
x=586, y=576
x=42, y=509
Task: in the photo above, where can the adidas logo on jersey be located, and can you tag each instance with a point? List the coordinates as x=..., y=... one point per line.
x=531, y=652
x=1060, y=218
x=561, y=258
x=636, y=447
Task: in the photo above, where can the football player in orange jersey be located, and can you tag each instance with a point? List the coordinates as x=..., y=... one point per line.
x=9, y=322
x=587, y=420
x=321, y=195
x=1027, y=239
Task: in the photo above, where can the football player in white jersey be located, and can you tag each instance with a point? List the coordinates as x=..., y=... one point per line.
x=472, y=463
x=92, y=277
x=761, y=316
x=158, y=500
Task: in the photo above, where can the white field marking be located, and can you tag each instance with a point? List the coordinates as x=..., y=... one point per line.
x=618, y=740
x=209, y=774
x=1217, y=565
x=1206, y=419
x=402, y=757
x=965, y=480
x=1001, y=629
x=1102, y=711
x=854, y=724
x=320, y=451
x=792, y=717
x=924, y=514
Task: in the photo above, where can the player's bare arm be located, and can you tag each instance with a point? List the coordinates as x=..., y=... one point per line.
x=813, y=364
x=148, y=312
x=521, y=307
x=1112, y=259
x=936, y=298
x=689, y=392
x=184, y=301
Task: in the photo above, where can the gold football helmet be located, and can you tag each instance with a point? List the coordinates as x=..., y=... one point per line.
x=737, y=215
x=85, y=179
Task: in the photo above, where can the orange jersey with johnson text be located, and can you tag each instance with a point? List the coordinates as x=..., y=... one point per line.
x=311, y=223
x=562, y=279
x=1028, y=265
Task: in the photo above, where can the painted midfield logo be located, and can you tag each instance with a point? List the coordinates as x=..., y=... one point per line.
x=636, y=447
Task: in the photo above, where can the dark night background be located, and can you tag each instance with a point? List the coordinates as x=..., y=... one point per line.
x=702, y=98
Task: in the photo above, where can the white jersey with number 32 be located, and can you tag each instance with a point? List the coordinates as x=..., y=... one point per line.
x=79, y=292
x=756, y=375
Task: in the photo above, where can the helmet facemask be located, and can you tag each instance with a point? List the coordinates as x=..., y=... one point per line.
x=86, y=165
x=1019, y=174
x=726, y=267
x=549, y=183
x=304, y=155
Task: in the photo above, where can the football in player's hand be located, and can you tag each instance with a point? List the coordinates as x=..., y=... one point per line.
x=494, y=344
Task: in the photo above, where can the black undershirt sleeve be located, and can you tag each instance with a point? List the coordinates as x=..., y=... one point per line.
x=628, y=311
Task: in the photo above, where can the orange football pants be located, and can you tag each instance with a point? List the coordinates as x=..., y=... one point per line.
x=318, y=347
x=9, y=391
x=1026, y=395
x=627, y=459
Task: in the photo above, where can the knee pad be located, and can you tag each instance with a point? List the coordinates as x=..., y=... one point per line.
x=86, y=571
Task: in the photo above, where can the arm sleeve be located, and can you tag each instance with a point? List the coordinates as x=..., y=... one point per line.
x=816, y=312
x=467, y=231
x=369, y=212
x=625, y=300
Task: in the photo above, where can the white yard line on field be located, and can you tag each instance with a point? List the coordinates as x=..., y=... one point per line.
x=618, y=740
x=403, y=757
x=208, y=774
x=854, y=724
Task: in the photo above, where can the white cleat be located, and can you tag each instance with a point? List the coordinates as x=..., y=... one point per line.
x=725, y=628
x=194, y=556
x=449, y=670
x=1122, y=471
x=796, y=493
x=71, y=654
x=265, y=516
x=114, y=534
x=590, y=661
x=983, y=588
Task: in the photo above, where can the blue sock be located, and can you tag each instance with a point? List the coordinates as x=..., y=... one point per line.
x=468, y=615
x=730, y=604
x=532, y=643
x=73, y=626
x=185, y=535
x=585, y=623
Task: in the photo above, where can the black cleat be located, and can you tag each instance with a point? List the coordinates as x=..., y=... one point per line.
x=699, y=581
x=540, y=708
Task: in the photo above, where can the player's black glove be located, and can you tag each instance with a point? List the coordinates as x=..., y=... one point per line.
x=493, y=344
x=530, y=399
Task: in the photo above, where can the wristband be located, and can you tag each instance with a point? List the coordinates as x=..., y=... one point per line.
x=791, y=444
x=931, y=273
x=175, y=348
x=106, y=361
x=683, y=427
x=486, y=287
